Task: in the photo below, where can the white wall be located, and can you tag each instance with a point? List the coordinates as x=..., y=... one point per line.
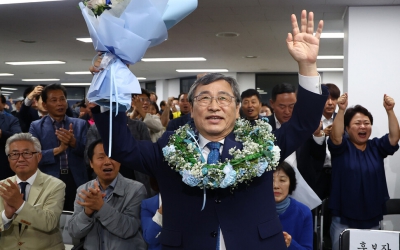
x=246, y=81
x=371, y=69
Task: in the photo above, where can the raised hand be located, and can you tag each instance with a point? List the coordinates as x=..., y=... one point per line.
x=35, y=92
x=303, y=45
x=388, y=102
x=342, y=101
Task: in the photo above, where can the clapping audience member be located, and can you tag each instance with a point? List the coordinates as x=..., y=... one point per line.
x=140, y=132
x=142, y=112
x=107, y=209
x=31, y=202
x=295, y=217
x=359, y=190
x=63, y=142
x=9, y=126
x=151, y=215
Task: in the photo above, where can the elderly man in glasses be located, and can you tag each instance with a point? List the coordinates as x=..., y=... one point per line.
x=241, y=218
x=31, y=202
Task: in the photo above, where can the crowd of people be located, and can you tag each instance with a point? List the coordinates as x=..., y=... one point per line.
x=56, y=158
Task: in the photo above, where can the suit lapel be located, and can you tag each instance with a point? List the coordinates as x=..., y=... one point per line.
x=2, y=119
x=229, y=143
x=36, y=189
x=34, y=193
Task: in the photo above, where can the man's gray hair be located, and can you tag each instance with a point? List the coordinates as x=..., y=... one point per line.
x=23, y=137
x=212, y=77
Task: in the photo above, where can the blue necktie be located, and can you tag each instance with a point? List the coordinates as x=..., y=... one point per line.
x=213, y=156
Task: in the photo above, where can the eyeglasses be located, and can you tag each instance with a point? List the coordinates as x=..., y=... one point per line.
x=222, y=99
x=144, y=99
x=25, y=155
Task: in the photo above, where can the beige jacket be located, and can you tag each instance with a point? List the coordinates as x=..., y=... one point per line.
x=39, y=217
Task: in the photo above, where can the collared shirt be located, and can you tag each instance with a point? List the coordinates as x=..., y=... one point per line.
x=30, y=181
x=28, y=103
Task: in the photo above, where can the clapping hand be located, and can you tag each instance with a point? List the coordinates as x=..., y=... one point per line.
x=388, y=102
x=303, y=45
x=92, y=199
x=66, y=136
x=12, y=197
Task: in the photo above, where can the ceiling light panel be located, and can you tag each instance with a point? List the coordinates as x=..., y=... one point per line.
x=35, y=63
x=75, y=84
x=41, y=80
x=6, y=74
x=6, y=88
x=85, y=39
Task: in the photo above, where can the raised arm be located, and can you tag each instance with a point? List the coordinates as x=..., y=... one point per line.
x=303, y=45
x=338, y=124
x=394, y=132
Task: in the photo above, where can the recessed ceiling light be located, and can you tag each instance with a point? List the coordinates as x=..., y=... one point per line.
x=6, y=94
x=78, y=73
x=250, y=57
x=6, y=74
x=8, y=88
x=141, y=78
x=201, y=70
x=332, y=35
x=9, y=92
x=35, y=63
x=76, y=84
x=329, y=69
x=330, y=57
x=227, y=34
x=85, y=40
x=174, y=59
x=25, y=1
x=41, y=80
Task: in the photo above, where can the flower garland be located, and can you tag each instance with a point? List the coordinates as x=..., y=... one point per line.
x=259, y=154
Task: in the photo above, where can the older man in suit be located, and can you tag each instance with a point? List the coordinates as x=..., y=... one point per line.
x=244, y=218
x=63, y=142
x=9, y=125
x=31, y=202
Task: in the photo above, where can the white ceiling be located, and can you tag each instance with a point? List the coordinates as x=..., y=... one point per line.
x=262, y=24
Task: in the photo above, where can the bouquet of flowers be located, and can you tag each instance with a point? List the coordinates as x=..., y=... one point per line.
x=123, y=30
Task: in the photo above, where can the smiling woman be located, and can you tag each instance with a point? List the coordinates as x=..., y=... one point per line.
x=359, y=190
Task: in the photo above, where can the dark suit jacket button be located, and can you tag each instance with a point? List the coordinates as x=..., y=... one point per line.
x=213, y=234
x=217, y=201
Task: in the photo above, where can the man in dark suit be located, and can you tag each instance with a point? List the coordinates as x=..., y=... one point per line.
x=244, y=218
x=63, y=142
x=9, y=126
x=32, y=108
